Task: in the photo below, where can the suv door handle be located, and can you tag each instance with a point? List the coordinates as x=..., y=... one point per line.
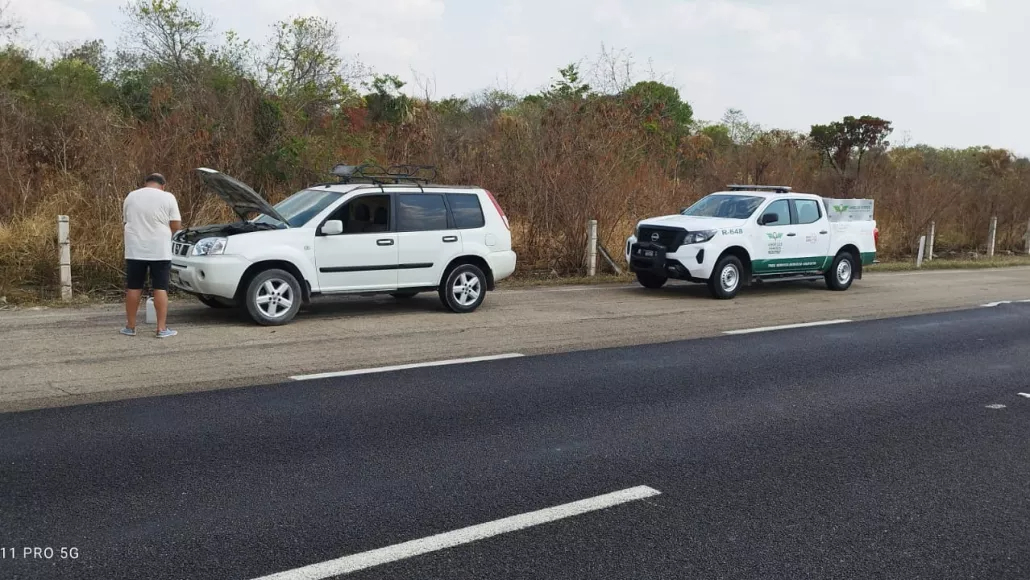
x=449, y=239
x=824, y=232
x=384, y=242
x=791, y=235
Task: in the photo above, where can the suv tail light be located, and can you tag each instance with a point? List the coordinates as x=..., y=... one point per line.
x=497, y=206
x=876, y=237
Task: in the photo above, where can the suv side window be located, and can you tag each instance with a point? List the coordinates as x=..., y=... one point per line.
x=421, y=212
x=365, y=214
x=782, y=209
x=808, y=211
x=467, y=211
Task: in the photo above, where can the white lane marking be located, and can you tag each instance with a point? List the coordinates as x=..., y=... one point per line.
x=438, y=363
x=996, y=406
x=1000, y=302
x=1027, y=395
x=786, y=326
x=446, y=540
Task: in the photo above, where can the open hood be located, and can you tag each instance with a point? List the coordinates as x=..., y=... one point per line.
x=243, y=200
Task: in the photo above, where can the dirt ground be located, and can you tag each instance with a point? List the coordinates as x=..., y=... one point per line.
x=53, y=357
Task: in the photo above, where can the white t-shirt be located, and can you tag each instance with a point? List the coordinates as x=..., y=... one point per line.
x=146, y=213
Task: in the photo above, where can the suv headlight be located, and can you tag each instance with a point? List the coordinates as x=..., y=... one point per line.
x=210, y=247
x=700, y=237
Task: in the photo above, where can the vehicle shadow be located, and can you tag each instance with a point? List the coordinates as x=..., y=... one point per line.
x=681, y=290
x=323, y=307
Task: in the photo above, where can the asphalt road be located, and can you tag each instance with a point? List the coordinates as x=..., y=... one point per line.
x=860, y=450
x=72, y=356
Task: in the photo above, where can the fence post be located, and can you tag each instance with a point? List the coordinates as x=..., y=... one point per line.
x=1027, y=237
x=991, y=237
x=65, y=261
x=929, y=244
x=592, y=248
x=922, y=246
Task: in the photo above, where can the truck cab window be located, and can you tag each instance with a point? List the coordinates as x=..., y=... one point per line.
x=782, y=210
x=808, y=211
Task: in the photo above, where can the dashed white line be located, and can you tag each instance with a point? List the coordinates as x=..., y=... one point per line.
x=438, y=363
x=786, y=326
x=1025, y=395
x=1000, y=302
x=364, y=560
x=996, y=406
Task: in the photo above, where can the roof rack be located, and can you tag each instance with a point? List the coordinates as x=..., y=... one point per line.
x=775, y=188
x=378, y=175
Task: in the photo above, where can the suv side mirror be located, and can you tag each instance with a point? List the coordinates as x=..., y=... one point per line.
x=769, y=218
x=332, y=228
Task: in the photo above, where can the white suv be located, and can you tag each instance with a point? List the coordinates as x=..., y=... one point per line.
x=375, y=231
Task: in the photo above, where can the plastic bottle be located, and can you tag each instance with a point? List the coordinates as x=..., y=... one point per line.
x=151, y=311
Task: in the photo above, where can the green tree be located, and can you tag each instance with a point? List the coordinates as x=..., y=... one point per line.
x=845, y=144
x=386, y=102
x=303, y=60
x=166, y=35
x=568, y=86
x=661, y=101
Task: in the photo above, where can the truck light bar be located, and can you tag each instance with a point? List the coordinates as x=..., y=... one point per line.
x=774, y=188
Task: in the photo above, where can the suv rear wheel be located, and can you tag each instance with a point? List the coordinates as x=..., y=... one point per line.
x=273, y=297
x=464, y=289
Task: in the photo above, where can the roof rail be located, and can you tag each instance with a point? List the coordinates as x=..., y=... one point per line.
x=775, y=188
x=378, y=175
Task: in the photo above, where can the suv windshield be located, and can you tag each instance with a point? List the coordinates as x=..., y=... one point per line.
x=725, y=206
x=299, y=208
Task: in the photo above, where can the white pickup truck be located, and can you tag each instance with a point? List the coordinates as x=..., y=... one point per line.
x=756, y=233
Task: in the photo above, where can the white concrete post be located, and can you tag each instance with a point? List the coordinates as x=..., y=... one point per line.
x=929, y=244
x=65, y=245
x=991, y=237
x=922, y=246
x=1027, y=237
x=592, y=248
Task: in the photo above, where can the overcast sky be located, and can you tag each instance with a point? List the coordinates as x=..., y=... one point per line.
x=946, y=72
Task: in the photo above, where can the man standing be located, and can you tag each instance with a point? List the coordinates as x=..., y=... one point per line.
x=151, y=215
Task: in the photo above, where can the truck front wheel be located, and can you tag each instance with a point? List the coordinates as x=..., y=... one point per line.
x=841, y=273
x=726, y=278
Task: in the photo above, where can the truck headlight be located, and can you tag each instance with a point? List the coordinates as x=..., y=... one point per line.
x=210, y=247
x=700, y=237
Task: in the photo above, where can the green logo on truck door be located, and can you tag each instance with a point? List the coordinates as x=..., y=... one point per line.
x=775, y=236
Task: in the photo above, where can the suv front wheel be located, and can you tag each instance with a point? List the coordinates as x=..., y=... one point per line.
x=273, y=297
x=464, y=289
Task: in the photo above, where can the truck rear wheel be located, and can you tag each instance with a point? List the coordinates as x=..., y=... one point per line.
x=652, y=281
x=841, y=273
x=726, y=278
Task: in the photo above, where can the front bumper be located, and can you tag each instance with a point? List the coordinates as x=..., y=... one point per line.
x=208, y=275
x=692, y=262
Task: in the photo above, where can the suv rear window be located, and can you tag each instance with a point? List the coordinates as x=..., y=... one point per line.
x=420, y=212
x=467, y=211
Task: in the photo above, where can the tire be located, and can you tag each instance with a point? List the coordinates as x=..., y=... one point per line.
x=216, y=302
x=463, y=289
x=841, y=273
x=651, y=281
x=403, y=295
x=726, y=278
x=273, y=297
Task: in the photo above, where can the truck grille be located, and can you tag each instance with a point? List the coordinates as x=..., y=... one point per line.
x=671, y=238
x=181, y=249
